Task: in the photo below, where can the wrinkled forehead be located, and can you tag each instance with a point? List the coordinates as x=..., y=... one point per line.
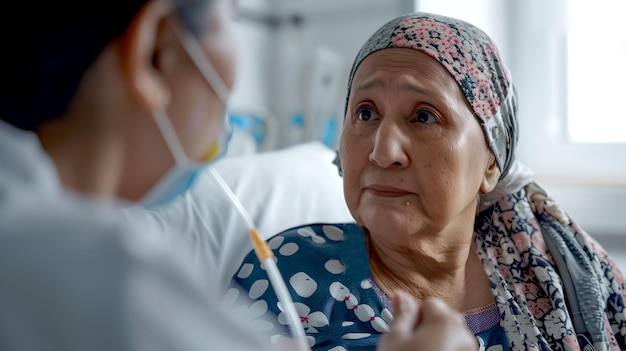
x=398, y=70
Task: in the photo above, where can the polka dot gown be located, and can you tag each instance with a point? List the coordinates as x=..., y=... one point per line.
x=327, y=273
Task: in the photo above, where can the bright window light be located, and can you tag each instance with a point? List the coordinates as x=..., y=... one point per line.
x=597, y=72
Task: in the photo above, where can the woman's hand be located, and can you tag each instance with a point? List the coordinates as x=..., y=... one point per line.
x=432, y=326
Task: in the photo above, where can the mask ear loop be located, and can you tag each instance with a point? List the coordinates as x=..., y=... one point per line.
x=171, y=139
x=195, y=52
x=197, y=55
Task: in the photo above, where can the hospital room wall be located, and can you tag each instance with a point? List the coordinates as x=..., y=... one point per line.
x=255, y=41
x=295, y=59
x=314, y=59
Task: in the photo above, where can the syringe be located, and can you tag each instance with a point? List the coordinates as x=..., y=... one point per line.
x=266, y=257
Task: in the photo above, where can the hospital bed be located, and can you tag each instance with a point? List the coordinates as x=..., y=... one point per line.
x=280, y=189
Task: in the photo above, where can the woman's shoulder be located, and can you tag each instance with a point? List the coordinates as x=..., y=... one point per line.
x=309, y=240
x=319, y=234
x=330, y=246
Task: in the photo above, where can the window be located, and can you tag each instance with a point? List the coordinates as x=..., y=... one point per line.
x=596, y=72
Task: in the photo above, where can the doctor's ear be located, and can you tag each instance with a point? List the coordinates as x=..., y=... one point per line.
x=144, y=45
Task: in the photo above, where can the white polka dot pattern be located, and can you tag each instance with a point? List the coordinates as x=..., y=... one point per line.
x=303, y=284
x=258, y=288
x=334, y=266
x=308, y=232
x=275, y=242
x=355, y=335
x=245, y=271
x=333, y=233
x=288, y=249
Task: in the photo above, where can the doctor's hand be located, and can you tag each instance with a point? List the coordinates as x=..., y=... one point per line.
x=432, y=326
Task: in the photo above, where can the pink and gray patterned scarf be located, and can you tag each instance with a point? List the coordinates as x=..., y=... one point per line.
x=529, y=288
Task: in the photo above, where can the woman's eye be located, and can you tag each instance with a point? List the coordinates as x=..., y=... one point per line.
x=424, y=116
x=365, y=114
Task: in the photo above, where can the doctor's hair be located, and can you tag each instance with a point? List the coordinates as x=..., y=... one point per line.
x=48, y=46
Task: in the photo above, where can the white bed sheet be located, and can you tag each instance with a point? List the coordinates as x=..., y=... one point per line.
x=279, y=189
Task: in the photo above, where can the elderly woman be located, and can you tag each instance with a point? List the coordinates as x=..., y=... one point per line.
x=442, y=209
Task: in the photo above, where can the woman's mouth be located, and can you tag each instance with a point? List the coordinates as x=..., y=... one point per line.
x=386, y=191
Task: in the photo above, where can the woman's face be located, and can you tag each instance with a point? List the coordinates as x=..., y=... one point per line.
x=413, y=155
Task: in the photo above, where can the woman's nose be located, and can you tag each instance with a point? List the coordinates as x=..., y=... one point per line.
x=390, y=145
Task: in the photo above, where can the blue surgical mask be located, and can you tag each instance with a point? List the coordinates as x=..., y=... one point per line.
x=181, y=177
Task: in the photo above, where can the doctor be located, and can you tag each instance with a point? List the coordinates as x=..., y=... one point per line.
x=122, y=101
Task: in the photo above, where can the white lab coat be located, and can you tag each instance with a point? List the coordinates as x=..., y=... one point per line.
x=75, y=276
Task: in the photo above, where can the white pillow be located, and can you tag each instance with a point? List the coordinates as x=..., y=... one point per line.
x=279, y=189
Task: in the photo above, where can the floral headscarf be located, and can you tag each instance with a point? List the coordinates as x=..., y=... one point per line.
x=472, y=59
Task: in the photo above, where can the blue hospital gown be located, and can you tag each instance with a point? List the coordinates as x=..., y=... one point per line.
x=326, y=269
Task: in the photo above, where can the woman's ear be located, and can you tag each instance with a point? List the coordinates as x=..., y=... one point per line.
x=140, y=54
x=491, y=177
